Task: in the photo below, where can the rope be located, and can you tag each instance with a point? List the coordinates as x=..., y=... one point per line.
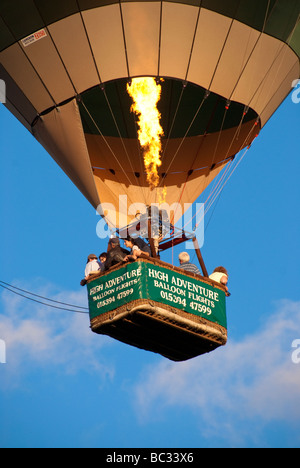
x=118, y=130
x=226, y=182
x=202, y=141
x=14, y=289
x=109, y=147
x=214, y=190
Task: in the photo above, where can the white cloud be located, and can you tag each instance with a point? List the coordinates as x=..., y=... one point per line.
x=251, y=380
x=38, y=336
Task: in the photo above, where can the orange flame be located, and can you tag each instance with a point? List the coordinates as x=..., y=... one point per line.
x=162, y=195
x=146, y=94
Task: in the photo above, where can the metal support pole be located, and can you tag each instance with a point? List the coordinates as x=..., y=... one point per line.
x=151, y=240
x=200, y=258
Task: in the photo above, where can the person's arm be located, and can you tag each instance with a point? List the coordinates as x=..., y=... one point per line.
x=224, y=282
x=136, y=252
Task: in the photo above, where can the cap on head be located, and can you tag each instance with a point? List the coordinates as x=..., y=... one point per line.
x=92, y=257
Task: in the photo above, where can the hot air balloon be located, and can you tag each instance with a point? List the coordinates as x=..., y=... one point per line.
x=224, y=68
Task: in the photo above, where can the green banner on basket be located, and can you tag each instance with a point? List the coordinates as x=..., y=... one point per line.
x=144, y=280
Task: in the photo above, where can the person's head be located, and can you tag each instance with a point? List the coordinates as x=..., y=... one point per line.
x=221, y=270
x=129, y=242
x=91, y=258
x=224, y=279
x=113, y=242
x=102, y=257
x=184, y=257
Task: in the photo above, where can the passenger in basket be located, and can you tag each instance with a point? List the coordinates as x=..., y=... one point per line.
x=102, y=258
x=92, y=267
x=220, y=275
x=138, y=247
x=115, y=253
x=184, y=260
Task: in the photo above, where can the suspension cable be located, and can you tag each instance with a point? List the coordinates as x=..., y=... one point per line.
x=14, y=290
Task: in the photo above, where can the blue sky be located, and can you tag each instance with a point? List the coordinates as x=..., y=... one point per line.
x=63, y=386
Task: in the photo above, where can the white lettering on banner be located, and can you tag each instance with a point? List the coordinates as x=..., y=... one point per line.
x=116, y=281
x=115, y=288
x=160, y=285
x=179, y=290
x=158, y=275
x=168, y=287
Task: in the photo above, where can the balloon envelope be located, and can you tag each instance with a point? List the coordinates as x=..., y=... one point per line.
x=227, y=66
